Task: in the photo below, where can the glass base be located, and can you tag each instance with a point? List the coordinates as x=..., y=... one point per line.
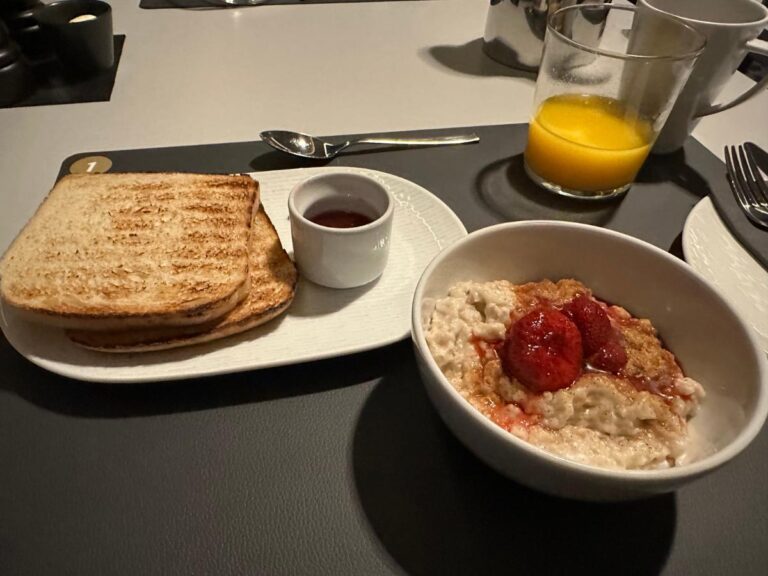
x=578, y=194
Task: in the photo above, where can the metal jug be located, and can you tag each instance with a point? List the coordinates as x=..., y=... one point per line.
x=514, y=30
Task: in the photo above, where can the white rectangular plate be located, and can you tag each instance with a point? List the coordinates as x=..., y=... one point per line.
x=320, y=323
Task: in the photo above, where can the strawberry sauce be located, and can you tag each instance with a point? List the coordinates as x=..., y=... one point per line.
x=340, y=219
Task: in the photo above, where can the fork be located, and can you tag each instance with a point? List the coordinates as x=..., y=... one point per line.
x=747, y=183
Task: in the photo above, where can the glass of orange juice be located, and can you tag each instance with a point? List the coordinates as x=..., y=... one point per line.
x=608, y=79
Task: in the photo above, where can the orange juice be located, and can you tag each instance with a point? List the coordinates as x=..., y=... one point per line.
x=587, y=143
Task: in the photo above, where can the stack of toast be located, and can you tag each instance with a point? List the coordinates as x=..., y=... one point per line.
x=139, y=262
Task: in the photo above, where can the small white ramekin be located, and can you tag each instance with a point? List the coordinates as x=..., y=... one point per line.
x=341, y=257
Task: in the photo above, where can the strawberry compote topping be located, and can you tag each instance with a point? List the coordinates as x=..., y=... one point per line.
x=547, y=349
x=543, y=350
x=610, y=357
x=591, y=320
x=603, y=348
x=501, y=416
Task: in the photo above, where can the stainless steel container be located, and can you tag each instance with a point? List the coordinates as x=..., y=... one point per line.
x=514, y=30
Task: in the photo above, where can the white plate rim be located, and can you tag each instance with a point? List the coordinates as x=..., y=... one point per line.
x=705, y=209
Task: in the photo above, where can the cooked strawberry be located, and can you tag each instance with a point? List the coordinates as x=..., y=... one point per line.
x=611, y=357
x=592, y=321
x=543, y=350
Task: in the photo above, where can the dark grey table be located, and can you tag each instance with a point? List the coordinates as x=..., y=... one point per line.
x=342, y=466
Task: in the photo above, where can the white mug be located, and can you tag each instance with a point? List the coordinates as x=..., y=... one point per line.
x=731, y=28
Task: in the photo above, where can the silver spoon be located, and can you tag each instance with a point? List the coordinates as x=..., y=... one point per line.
x=306, y=146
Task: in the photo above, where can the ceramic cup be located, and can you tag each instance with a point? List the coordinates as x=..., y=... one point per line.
x=16, y=80
x=340, y=257
x=731, y=28
x=19, y=15
x=81, y=32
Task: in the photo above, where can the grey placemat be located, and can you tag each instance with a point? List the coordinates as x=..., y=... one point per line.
x=342, y=466
x=151, y=4
x=483, y=183
x=749, y=235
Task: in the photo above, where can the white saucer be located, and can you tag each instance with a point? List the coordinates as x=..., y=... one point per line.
x=715, y=254
x=320, y=323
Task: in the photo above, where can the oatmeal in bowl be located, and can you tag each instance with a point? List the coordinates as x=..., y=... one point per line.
x=558, y=368
x=585, y=363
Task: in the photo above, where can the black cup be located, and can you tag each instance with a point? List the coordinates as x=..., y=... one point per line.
x=15, y=77
x=5, y=36
x=19, y=16
x=85, y=46
x=9, y=53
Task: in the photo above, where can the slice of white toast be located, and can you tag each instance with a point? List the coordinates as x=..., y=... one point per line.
x=272, y=287
x=118, y=251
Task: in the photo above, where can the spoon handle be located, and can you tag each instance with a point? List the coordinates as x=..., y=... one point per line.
x=436, y=141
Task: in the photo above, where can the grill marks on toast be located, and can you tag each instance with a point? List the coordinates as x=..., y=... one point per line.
x=172, y=247
x=272, y=288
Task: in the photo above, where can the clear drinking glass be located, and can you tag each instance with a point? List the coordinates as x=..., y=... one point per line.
x=608, y=79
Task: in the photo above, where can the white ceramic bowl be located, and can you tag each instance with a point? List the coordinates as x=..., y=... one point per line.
x=712, y=343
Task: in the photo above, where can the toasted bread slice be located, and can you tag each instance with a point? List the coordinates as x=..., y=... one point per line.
x=273, y=285
x=109, y=251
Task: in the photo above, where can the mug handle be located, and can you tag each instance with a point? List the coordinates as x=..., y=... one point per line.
x=759, y=47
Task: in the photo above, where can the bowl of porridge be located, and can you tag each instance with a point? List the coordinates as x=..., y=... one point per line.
x=586, y=363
